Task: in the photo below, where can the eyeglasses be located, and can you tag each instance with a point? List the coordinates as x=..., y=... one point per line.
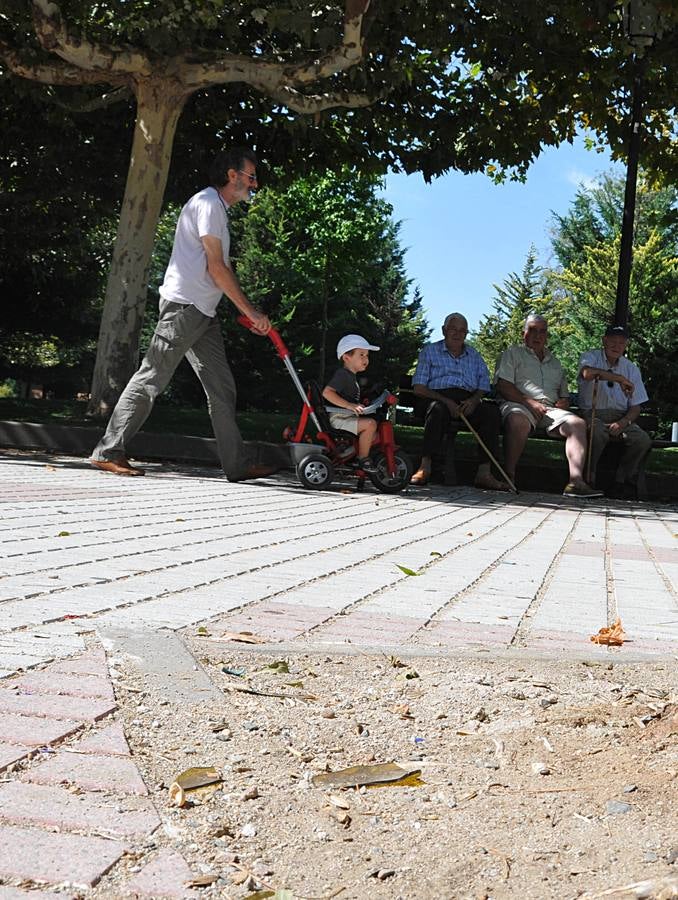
x=252, y=178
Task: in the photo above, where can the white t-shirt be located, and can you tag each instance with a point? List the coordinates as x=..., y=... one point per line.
x=187, y=279
x=610, y=397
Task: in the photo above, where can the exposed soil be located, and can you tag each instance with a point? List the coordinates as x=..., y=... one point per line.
x=541, y=778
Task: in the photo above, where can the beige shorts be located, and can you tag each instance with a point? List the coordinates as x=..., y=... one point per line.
x=345, y=422
x=550, y=422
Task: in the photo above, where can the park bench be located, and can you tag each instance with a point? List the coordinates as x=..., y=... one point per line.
x=411, y=410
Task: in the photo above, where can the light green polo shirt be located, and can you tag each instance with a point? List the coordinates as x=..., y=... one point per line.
x=540, y=379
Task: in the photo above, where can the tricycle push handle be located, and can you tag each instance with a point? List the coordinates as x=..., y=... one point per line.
x=278, y=342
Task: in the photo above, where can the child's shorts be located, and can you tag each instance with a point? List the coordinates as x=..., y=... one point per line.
x=347, y=421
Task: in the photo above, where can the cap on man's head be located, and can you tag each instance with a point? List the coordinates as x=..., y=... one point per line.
x=617, y=331
x=353, y=342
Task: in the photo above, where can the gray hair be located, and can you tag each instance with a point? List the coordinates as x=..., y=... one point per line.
x=455, y=315
x=532, y=318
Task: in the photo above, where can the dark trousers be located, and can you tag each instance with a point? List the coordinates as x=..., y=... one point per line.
x=486, y=419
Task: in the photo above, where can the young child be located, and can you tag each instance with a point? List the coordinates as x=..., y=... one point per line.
x=343, y=390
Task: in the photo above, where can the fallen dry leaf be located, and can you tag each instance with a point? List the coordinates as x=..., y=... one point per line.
x=354, y=776
x=613, y=635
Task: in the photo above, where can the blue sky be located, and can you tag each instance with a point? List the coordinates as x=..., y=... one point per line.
x=463, y=233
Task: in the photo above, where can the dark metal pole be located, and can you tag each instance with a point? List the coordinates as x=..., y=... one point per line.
x=621, y=309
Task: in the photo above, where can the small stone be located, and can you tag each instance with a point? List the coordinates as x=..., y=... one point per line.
x=480, y=714
x=250, y=726
x=250, y=794
x=617, y=807
x=672, y=856
x=540, y=768
x=248, y=830
x=630, y=788
x=650, y=857
x=383, y=874
x=545, y=702
x=328, y=714
x=517, y=695
x=491, y=764
x=225, y=735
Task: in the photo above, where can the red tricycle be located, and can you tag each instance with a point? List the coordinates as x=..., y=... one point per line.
x=336, y=450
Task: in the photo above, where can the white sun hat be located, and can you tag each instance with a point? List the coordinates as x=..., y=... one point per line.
x=353, y=342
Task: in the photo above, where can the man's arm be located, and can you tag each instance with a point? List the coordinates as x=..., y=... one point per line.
x=588, y=373
x=225, y=279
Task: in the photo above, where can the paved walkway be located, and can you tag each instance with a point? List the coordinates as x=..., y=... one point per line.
x=86, y=558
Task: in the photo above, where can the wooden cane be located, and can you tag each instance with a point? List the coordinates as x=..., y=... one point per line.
x=487, y=450
x=594, y=401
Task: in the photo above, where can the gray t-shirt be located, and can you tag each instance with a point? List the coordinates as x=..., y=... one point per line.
x=346, y=385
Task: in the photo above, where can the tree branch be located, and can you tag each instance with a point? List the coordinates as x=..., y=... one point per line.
x=86, y=55
x=314, y=103
x=346, y=55
x=268, y=76
x=56, y=73
x=110, y=98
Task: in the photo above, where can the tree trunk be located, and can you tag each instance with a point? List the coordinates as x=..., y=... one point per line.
x=159, y=105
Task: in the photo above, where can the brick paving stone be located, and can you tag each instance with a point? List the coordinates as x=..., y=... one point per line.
x=55, y=706
x=272, y=620
x=91, y=663
x=91, y=772
x=55, y=858
x=14, y=893
x=366, y=628
x=32, y=731
x=37, y=804
x=11, y=753
x=76, y=685
x=445, y=633
x=109, y=741
x=163, y=879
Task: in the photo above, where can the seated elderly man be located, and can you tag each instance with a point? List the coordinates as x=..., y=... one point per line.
x=620, y=395
x=536, y=397
x=454, y=377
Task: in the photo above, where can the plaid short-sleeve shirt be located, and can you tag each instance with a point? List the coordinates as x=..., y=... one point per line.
x=438, y=369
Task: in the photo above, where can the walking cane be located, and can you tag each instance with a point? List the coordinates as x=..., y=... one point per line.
x=594, y=400
x=486, y=449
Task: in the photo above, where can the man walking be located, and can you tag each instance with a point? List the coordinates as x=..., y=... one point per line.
x=536, y=397
x=199, y=272
x=454, y=377
x=620, y=395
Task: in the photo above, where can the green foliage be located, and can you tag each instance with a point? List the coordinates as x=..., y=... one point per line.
x=588, y=286
x=479, y=87
x=578, y=298
x=520, y=295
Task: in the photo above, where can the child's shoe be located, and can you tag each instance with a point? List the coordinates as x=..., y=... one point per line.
x=367, y=465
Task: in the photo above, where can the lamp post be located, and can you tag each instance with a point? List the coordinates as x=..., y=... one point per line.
x=640, y=26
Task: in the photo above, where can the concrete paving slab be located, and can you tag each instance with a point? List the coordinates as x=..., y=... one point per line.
x=166, y=664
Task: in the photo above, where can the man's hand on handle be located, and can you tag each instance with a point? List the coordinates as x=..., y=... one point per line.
x=260, y=323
